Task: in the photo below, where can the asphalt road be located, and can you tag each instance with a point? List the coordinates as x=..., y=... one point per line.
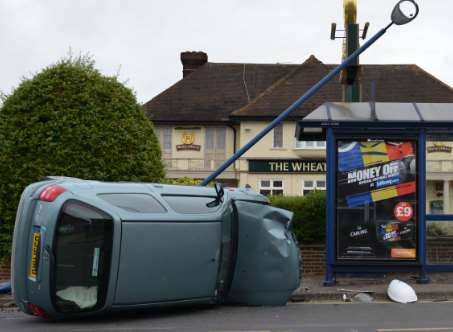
x=376, y=317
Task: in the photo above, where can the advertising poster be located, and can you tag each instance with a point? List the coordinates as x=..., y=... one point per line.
x=376, y=200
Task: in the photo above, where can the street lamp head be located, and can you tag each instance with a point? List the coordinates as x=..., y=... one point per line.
x=404, y=12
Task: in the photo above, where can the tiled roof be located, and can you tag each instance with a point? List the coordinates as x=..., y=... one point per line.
x=213, y=91
x=217, y=92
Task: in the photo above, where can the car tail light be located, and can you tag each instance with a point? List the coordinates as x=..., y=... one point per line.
x=49, y=194
x=38, y=311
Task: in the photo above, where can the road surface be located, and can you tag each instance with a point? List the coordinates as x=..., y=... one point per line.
x=376, y=317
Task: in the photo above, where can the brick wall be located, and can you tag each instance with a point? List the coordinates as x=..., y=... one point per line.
x=439, y=251
x=4, y=269
x=313, y=259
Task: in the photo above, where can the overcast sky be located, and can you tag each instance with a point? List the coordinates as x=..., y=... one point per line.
x=142, y=40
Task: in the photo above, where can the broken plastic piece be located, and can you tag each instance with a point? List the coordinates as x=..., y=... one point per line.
x=363, y=298
x=401, y=292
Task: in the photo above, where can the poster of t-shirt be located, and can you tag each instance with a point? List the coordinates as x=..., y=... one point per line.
x=376, y=200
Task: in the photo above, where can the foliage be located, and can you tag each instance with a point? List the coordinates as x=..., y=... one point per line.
x=70, y=120
x=309, y=215
x=435, y=230
x=184, y=181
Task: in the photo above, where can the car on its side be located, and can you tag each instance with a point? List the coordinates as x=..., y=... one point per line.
x=87, y=247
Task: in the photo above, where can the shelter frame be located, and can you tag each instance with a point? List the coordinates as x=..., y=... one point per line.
x=334, y=121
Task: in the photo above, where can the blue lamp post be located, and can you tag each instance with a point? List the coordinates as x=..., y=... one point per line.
x=404, y=12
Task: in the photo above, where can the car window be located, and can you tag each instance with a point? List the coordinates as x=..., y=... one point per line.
x=83, y=249
x=190, y=204
x=138, y=203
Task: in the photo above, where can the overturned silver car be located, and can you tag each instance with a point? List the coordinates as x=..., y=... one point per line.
x=88, y=247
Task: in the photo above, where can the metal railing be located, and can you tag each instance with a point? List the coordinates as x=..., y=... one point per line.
x=439, y=165
x=190, y=164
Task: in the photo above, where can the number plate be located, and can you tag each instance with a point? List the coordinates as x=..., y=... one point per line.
x=35, y=251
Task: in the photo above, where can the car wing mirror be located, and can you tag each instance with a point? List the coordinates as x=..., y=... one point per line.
x=219, y=196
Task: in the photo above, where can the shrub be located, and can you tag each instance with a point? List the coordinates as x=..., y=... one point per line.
x=70, y=120
x=184, y=181
x=309, y=215
x=435, y=230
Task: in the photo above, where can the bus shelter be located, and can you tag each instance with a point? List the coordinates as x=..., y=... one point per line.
x=376, y=211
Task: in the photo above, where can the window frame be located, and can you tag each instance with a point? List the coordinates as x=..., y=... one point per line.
x=280, y=131
x=271, y=187
x=126, y=208
x=104, y=279
x=314, y=187
x=302, y=145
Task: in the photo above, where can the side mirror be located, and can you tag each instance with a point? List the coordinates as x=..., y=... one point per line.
x=219, y=196
x=404, y=12
x=219, y=191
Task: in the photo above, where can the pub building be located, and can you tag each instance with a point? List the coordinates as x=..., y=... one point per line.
x=215, y=108
x=378, y=139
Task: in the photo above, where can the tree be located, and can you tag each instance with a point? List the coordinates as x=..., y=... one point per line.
x=70, y=120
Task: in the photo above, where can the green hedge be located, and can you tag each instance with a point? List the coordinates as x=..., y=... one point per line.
x=309, y=215
x=71, y=120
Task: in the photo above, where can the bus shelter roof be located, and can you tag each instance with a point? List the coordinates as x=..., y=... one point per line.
x=365, y=115
x=382, y=112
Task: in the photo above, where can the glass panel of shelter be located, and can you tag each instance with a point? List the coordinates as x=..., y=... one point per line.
x=439, y=200
x=376, y=199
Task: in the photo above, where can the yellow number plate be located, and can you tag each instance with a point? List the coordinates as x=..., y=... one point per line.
x=35, y=251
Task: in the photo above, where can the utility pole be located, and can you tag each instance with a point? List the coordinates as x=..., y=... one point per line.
x=350, y=76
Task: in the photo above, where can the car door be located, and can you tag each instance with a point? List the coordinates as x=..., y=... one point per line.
x=171, y=253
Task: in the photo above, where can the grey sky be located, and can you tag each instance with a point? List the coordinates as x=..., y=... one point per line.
x=142, y=39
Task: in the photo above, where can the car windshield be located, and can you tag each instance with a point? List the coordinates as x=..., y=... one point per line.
x=82, y=248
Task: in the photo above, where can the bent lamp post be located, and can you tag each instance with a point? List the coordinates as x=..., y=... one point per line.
x=398, y=17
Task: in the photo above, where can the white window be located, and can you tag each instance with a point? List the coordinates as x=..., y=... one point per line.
x=220, y=141
x=278, y=137
x=215, y=146
x=164, y=135
x=271, y=187
x=310, y=185
x=167, y=131
x=310, y=144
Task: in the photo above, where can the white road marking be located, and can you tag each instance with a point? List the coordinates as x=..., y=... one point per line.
x=416, y=329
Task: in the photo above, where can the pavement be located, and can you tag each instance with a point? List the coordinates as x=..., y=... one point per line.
x=311, y=290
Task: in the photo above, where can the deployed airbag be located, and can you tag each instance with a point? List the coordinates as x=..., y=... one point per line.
x=83, y=297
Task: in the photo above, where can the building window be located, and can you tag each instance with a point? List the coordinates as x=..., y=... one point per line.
x=215, y=146
x=310, y=144
x=311, y=185
x=278, y=137
x=271, y=187
x=164, y=135
x=220, y=141
x=210, y=138
x=166, y=143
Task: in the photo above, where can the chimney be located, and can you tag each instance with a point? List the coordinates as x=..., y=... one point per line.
x=191, y=61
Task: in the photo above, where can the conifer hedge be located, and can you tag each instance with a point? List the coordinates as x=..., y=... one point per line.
x=71, y=120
